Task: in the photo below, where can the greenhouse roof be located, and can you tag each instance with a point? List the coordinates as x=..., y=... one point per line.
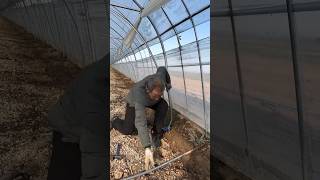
x=152, y=22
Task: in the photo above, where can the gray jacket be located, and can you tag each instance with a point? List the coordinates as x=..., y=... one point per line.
x=139, y=99
x=80, y=116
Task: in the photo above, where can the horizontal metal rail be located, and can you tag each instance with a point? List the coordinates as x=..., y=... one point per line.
x=297, y=7
x=118, y=6
x=193, y=64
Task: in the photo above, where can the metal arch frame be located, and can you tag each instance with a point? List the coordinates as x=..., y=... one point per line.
x=305, y=163
x=142, y=60
x=118, y=32
x=38, y=32
x=26, y=12
x=127, y=8
x=13, y=6
x=61, y=38
x=46, y=30
x=158, y=35
x=35, y=12
x=200, y=64
x=17, y=5
x=129, y=62
x=112, y=37
x=87, y=37
x=130, y=47
x=177, y=24
x=124, y=33
x=146, y=59
x=145, y=42
x=289, y=8
x=135, y=74
x=123, y=17
x=43, y=26
x=89, y=24
x=199, y=57
x=49, y=25
x=64, y=33
x=119, y=36
x=122, y=29
x=180, y=54
x=9, y=4
x=240, y=79
x=77, y=29
x=123, y=37
x=56, y=26
x=144, y=68
x=66, y=50
x=198, y=12
x=114, y=40
x=171, y=28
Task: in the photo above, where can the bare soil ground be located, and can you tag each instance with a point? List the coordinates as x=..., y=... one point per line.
x=183, y=137
x=32, y=77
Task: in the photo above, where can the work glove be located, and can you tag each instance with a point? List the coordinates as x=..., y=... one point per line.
x=166, y=129
x=149, y=162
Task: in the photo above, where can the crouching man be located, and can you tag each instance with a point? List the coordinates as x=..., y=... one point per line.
x=146, y=93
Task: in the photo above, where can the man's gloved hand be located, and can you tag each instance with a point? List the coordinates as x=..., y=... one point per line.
x=166, y=129
x=149, y=162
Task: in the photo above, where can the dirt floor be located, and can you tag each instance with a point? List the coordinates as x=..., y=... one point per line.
x=32, y=77
x=182, y=138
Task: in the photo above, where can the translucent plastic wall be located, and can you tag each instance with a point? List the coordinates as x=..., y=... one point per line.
x=76, y=27
x=176, y=36
x=266, y=104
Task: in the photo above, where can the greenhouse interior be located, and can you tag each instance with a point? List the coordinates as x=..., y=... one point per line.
x=175, y=34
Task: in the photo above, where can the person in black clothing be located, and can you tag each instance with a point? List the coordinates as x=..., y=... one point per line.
x=79, y=124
